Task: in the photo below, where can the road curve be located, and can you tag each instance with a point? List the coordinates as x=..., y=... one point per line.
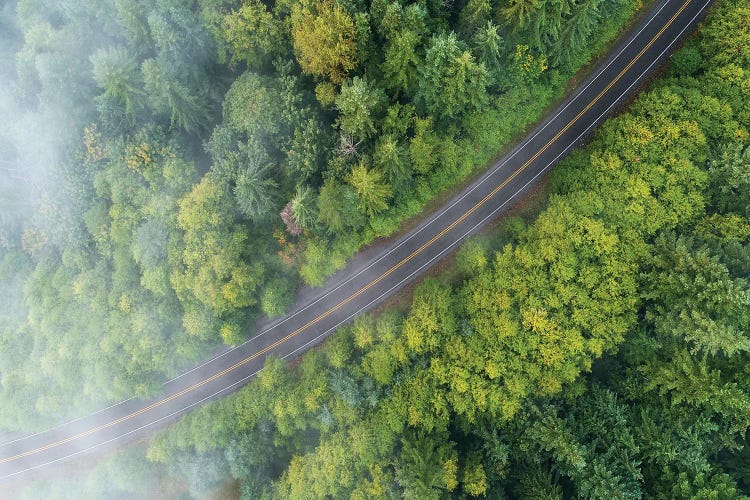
x=381, y=272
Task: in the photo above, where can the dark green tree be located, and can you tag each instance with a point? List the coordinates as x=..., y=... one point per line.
x=451, y=82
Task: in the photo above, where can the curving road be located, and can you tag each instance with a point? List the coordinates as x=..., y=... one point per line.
x=376, y=275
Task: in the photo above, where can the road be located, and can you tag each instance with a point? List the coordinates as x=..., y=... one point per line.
x=381, y=271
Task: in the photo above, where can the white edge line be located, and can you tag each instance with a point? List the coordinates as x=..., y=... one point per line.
x=144, y=426
x=67, y=423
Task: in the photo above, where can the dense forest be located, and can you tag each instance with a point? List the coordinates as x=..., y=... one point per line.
x=597, y=350
x=173, y=170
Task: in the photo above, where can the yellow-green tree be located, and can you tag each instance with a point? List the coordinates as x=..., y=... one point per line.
x=215, y=270
x=372, y=191
x=324, y=39
x=252, y=32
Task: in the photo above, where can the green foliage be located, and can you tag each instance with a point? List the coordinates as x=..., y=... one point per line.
x=724, y=41
x=277, y=296
x=602, y=352
x=252, y=33
x=116, y=73
x=372, y=192
x=215, y=272
x=423, y=147
x=251, y=105
x=391, y=159
x=488, y=45
x=474, y=15
x=303, y=208
x=471, y=258
x=731, y=174
x=540, y=307
x=308, y=151
x=696, y=297
x=451, y=82
x=359, y=104
x=574, y=34
x=170, y=97
x=255, y=190
x=401, y=61
x=337, y=206
x=140, y=263
x=426, y=465
x=519, y=12
x=324, y=39
x=528, y=66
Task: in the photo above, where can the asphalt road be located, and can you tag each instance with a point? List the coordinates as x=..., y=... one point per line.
x=381, y=271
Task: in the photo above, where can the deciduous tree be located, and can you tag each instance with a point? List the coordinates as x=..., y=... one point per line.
x=324, y=39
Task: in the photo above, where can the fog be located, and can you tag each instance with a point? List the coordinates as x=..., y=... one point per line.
x=68, y=334
x=98, y=99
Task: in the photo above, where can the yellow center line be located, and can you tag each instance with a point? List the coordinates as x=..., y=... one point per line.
x=374, y=282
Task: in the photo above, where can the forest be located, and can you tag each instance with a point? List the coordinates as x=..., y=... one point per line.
x=596, y=349
x=174, y=170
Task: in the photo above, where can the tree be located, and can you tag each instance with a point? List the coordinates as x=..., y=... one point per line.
x=473, y=16
x=451, y=83
x=202, y=471
x=169, y=95
x=150, y=243
x=589, y=440
x=251, y=107
x=337, y=207
x=431, y=320
x=372, y=192
x=180, y=38
x=471, y=258
x=401, y=61
x=695, y=298
x=526, y=65
x=576, y=31
x=359, y=104
x=426, y=465
x=726, y=39
x=288, y=218
x=730, y=180
x=392, y=159
x=255, y=190
x=252, y=33
x=487, y=45
x=474, y=478
x=309, y=150
x=328, y=472
x=518, y=13
x=116, y=73
x=277, y=296
x=547, y=23
x=324, y=39
x=424, y=146
x=534, y=306
x=703, y=485
x=215, y=271
x=303, y=208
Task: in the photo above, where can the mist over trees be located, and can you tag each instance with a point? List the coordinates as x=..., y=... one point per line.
x=174, y=170
x=597, y=350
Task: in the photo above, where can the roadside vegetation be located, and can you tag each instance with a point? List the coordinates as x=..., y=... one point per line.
x=174, y=170
x=599, y=350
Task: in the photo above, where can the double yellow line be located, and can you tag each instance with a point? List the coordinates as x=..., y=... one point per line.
x=374, y=282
